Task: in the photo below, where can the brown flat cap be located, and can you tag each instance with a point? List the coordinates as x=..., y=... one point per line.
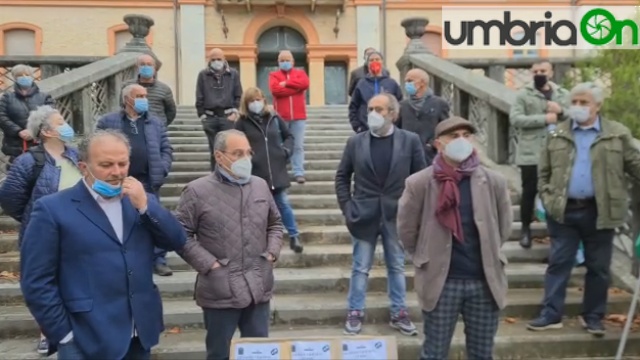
x=454, y=123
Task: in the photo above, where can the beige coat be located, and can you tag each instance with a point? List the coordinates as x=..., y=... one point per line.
x=429, y=244
x=238, y=226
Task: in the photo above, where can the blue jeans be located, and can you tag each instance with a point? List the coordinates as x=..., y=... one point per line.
x=286, y=212
x=579, y=225
x=70, y=351
x=363, y=254
x=296, y=128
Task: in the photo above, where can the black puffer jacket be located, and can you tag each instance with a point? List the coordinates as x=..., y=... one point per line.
x=14, y=112
x=272, y=144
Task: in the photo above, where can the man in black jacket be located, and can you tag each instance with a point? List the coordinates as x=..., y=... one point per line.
x=218, y=93
x=421, y=111
x=380, y=160
x=360, y=72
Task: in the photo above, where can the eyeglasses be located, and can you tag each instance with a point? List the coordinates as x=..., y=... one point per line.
x=134, y=127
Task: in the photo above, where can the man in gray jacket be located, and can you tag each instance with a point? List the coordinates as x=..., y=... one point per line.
x=232, y=246
x=161, y=102
x=538, y=108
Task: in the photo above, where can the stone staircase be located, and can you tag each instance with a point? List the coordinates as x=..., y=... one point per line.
x=310, y=296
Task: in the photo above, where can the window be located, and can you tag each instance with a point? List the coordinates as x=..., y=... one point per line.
x=122, y=38
x=19, y=42
x=521, y=52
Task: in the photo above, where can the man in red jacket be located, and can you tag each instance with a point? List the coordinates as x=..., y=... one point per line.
x=288, y=87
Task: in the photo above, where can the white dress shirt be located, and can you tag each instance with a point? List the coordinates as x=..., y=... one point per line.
x=113, y=209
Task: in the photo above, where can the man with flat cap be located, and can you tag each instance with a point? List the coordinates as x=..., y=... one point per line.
x=453, y=218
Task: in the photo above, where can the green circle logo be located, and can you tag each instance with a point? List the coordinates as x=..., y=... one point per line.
x=596, y=26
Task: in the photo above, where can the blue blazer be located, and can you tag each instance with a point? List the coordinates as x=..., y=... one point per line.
x=76, y=275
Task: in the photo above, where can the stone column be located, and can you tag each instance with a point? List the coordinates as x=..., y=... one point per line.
x=192, y=50
x=248, y=73
x=316, y=77
x=414, y=28
x=367, y=27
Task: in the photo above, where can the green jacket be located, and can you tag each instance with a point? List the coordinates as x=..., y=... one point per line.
x=527, y=117
x=613, y=154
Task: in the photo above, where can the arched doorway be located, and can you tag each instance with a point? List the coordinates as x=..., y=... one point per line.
x=270, y=43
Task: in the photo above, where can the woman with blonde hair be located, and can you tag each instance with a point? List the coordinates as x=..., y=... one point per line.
x=272, y=145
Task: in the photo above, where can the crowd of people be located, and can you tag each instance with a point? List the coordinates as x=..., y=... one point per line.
x=93, y=230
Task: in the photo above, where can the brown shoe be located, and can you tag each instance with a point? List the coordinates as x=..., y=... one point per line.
x=300, y=179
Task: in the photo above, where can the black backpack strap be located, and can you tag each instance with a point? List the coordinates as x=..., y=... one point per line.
x=40, y=158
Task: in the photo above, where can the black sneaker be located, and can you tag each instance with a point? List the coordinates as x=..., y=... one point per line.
x=353, y=325
x=593, y=326
x=43, y=346
x=542, y=323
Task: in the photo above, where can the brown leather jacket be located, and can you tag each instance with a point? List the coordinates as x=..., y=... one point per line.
x=237, y=226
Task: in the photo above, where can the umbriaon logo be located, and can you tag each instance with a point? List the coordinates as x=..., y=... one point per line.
x=596, y=27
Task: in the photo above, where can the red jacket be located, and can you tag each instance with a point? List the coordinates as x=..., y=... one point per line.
x=289, y=100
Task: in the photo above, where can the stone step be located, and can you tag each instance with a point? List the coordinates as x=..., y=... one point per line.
x=308, y=188
x=512, y=341
x=331, y=164
x=340, y=120
x=307, y=139
x=310, y=236
x=310, y=127
x=308, y=155
x=305, y=309
x=308, y=133
x=204, y=147
x=319, y=280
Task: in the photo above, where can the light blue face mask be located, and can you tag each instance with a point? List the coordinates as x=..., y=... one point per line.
x=285, y=65
x=105, y=189
x=141, y=105
x=146, y=71
x=410, y=88
x=66, y=133
x=24, y=81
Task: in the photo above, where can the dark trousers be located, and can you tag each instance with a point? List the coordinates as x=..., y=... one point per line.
x=160, y=255
x=70, y=351
x=579, y=225
x=212, y=125
x=221, y=324
x=473, y=300
x=529, y=177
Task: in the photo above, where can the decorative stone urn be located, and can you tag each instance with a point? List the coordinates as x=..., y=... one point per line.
x=415, y=28
x=139, y=27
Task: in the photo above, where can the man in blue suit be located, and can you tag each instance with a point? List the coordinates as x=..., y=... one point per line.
x=87, y=258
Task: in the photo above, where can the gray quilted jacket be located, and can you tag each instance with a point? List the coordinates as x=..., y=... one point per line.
x=237, y=226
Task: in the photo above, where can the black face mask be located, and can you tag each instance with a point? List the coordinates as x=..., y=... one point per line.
x=539, y=80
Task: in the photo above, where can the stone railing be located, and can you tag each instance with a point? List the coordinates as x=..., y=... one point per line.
x=476, y=90
x=86, y=88
x=44, y=66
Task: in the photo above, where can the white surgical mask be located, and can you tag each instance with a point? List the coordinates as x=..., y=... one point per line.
x=458, y=149
x=256, y=106
x=217, y=65
x=375, y=121
x=579, y=113
x=242, y=168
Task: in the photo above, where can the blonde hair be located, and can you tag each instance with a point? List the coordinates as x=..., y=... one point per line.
x=250, y=95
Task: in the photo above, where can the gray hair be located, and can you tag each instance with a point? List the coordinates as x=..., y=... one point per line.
x=85, y=144
x=394, y=105
x=21, y=69
x=126, y=92
x=40, y=119
x=589, y=88
x=139, y=59
x=374, y=52
x=220, y=142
